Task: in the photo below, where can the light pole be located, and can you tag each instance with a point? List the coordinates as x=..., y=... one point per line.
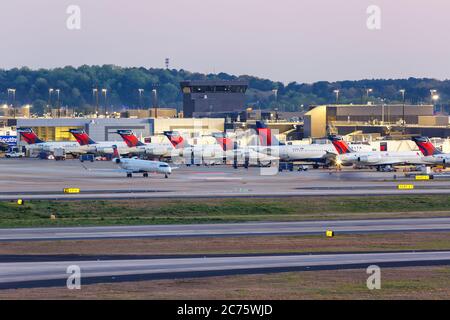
x=336, y=92
x=434, y=96
x=368, y=91
x=403, y=92
x=382, y=110
x=13, y=93
x=104, y=93
x=49, y=105
x=275, y=93
x=155, y=102
x=141, y=91
x=95, y=100
x=57, y=102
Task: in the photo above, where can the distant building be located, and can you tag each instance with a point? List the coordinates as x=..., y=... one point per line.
x=150, y=113
x=105, y=129
x=375, y=119
x=213, y=98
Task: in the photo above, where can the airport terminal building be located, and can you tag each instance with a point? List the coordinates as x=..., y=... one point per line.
x=377, y=119
x=104, y=129
x=213, y=98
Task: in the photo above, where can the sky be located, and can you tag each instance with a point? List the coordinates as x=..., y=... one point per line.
x=283, y=40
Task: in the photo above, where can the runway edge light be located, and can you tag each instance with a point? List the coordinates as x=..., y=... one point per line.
x=329, y=233
x=20, y=202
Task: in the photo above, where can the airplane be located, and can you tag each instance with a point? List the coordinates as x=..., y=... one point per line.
x=36, y=144
x=152, y=149
x=135, y=165
x=382, y=160
x=208, y=154
x=431, y=154
x=243, y=155
x=316, y=153
x=104, y=147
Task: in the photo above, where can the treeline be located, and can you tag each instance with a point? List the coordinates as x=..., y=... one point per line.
x=122, y=84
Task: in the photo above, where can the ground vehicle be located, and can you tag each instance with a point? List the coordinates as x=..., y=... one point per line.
x=87, y=157
x=59, y=154
x=14, y=154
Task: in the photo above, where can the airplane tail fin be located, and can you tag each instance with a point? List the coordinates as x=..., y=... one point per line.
x=225, y=142
x=176, y=139
x=82, y=137
x=29, y=136
x=426, y=146
x=130, y=138
x=116, y=154
x=340, y=145
x=265, y=135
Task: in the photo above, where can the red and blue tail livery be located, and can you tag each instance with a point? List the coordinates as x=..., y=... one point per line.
x=265, y=135
x=82, y=137
x=176, y=139
x=116, y=154
x=340, y=145
x=29, y=136
x=426, y=146
x=130, y=138
x=225, y=142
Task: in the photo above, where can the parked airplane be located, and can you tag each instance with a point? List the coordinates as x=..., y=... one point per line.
x=431, y=154
x=315, y=153
x=134, y=165
x=36, y=144
x=152, y=149
x=104, y=147
x=241, y=155
x=207, y=154
x=382, y=160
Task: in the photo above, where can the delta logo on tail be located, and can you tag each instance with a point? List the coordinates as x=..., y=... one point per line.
x=130, y=138
x=340, y=145
x=426, y=146
x=176, y=139
x=225, y=142
x=265, y=135
x=116, y=154
x=82, y=137
x=29, y=136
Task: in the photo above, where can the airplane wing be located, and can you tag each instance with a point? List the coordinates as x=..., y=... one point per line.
x=387, y=162
x=105, y=170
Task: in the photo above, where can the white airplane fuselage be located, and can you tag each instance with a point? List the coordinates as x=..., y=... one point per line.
x=133, y=165
x=155, y=149
x=68, y=146
x=308, y=152
x=438, y=159
x=383, y=158
x=106, y=147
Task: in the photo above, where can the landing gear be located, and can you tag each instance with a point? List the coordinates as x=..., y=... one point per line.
x=145, y=174
x=129, y=175
x=166, y=176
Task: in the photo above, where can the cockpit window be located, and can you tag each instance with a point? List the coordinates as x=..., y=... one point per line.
x=163, y=165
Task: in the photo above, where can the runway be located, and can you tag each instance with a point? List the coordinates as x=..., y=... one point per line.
x=32, y=274
x=45, y=180
x=227, y=230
